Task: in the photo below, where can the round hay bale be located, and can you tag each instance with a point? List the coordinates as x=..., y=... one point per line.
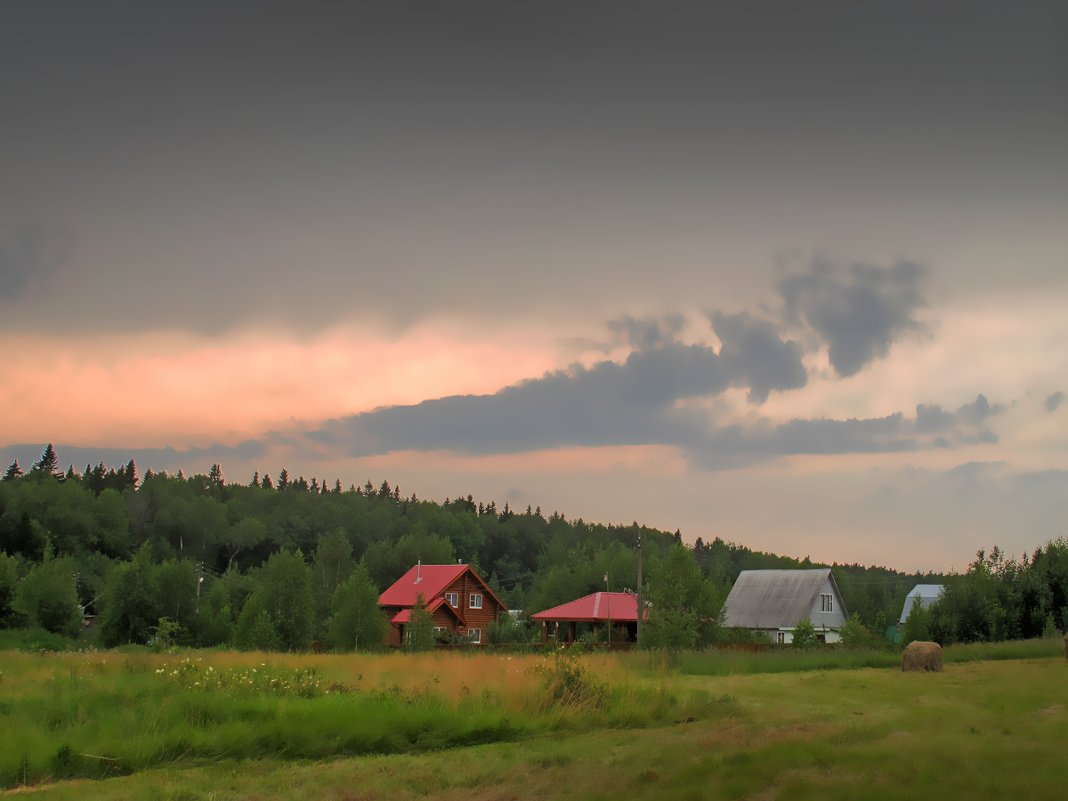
x=922, y=656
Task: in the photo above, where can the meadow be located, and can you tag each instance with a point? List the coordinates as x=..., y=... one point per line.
x=214, y=725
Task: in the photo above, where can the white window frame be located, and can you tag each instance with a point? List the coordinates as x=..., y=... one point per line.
x=452, y=599
x=826, y=602
x=475, y=601
x=475, y=635
x=781, y=638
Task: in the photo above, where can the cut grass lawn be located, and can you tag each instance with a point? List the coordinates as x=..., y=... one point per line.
x=981, y=729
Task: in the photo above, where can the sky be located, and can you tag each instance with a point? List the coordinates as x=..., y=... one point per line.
x=794, y=275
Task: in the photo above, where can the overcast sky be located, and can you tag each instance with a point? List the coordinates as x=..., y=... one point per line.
x=793, y=274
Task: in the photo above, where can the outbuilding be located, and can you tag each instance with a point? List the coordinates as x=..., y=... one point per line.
x=926, y=593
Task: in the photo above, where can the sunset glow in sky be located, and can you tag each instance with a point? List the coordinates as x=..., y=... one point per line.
x=794, y=276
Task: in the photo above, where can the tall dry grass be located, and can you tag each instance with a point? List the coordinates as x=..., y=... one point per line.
x=101, y=714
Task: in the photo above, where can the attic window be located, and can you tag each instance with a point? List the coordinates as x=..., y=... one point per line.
x=452, y=599
x=826, y=602
x=476, y=600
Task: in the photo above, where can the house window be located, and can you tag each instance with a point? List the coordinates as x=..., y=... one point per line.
x=781, y=638
x=475, y=635
x=826, y=602
x=476, y=600
x=452, y=599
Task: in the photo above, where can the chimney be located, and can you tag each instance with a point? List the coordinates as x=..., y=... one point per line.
x=418, y=571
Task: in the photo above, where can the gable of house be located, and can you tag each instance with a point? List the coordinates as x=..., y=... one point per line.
x=774, y=600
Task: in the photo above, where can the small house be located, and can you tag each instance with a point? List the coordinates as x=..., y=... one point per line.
x=775, y=601
x=459, y=601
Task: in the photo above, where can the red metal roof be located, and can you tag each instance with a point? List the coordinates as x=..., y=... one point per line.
x=405, y=615
x=615, y=606
x=426, y=580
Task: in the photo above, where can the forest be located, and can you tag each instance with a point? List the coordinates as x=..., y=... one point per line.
x=284, y=563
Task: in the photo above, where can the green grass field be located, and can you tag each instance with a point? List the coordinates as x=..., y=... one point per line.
x=225, y=725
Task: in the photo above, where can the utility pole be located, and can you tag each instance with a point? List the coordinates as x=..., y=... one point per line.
x=641, y=609
x=608, y=609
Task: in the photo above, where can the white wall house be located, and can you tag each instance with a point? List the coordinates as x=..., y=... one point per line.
x=775, y=601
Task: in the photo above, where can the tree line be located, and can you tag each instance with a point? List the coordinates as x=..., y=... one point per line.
x=286, y=562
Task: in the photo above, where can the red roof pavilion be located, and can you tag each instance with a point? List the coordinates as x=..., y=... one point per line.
x=599, y=607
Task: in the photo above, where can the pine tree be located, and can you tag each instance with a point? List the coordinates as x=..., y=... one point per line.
x=283, y=480
x=255, y=479
x=337, y=486
x=267, y=483
x=13, y=472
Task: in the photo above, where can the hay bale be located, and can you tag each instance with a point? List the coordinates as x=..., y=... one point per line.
x=922, y=656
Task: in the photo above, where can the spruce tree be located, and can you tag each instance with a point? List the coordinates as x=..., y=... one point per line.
x=215, y=476
x=13, y=472
x=130, y=475
x=48, y=463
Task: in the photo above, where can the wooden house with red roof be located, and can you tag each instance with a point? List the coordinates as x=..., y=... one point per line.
x=612, y=609
x=457, y=598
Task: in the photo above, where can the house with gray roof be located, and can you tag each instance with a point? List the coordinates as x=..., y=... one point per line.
x=775, y=601
x=927, y=593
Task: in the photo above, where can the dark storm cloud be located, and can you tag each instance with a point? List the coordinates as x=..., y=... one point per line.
x=736, y=446
x=634, y=402
x=645, y=334
x=641, y=402
x=755, y=353
x=858, y=311
x=608, y=403
x=932, y=418
x=591, y=408
x=29, y=257
x=1054, y=401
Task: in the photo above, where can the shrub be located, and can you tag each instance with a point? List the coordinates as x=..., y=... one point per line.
x=566, y=682
x=804, y=634
x=856, y=635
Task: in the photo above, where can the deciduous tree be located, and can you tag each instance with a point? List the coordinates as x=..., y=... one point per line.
x=356, y=621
